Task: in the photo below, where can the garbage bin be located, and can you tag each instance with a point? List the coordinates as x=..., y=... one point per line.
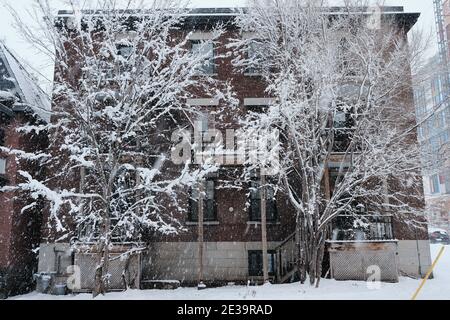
x=59, y=289
x=43, y=281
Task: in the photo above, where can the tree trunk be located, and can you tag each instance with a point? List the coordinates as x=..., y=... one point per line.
x=126, y=272
x=301, y=249
x=101, y=279
x=101, y=272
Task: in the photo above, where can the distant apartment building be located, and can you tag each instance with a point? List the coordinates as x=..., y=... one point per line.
x=433, y=114
x=433, y=118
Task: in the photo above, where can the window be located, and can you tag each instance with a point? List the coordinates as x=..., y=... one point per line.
x=420, y=101
x=447, y=183
x=209, y=203
x=420, y=131
x=5, y=79
x=206, y=50
x=436, y=91
x=203, y=122
x=255, y=203
x=255, y=263
x=339, y=120
x=205, y=146
x=124, y=51
x=446, y=116
x=257, y=109
x=2, y=137
x=253, y=54
x=123, y=199
x=2, y=161
x=443, y=138
x=2, y=166
x=362, y=227
x=258, y=105
x=434, y=184
x=334, y=174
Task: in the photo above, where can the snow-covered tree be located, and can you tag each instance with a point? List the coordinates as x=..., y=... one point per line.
x=341, y=87
x=122, y=79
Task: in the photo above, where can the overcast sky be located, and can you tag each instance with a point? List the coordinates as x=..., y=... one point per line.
x=41, y=65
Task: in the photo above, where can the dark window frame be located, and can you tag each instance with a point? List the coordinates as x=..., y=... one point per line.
x=255, y=205
x=209, y=65
x=209, y=205
x=253, y=52
x=122, y=48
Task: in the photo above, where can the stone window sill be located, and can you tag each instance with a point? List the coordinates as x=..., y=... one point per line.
x=268, y=222
x=206, y=223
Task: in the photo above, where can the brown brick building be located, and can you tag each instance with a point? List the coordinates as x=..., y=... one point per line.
x=21, y=102
x=232, y=228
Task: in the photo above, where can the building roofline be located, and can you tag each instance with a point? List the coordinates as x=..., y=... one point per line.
x=29, y=91
x=232, y=11
x=205, y=16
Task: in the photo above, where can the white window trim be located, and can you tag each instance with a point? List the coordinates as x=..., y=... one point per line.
x=203, y=102
x=198, y=35
x=248, y=35
x=252, y=74
x=258, y=101
x=126, y=35
x=206, y=223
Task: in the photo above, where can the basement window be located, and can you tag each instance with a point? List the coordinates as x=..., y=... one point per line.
x=255, y=263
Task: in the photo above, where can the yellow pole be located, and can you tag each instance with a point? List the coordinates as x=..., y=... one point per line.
x=428, y=273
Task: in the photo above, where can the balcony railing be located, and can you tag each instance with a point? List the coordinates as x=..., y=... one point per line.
x=362, y=228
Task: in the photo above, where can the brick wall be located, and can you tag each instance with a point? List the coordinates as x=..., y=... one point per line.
x=19, y=231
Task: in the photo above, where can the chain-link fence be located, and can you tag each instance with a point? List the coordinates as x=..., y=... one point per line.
x=119, y=270
x=353, y=261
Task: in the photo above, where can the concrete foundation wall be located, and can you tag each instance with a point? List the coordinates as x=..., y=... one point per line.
x=223, y=261
x=409, y=252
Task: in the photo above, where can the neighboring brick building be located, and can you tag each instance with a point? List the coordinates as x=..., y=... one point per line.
x=21, y=102
x=232, y=229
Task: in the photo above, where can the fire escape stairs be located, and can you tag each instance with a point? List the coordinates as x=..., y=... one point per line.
x=285, y=258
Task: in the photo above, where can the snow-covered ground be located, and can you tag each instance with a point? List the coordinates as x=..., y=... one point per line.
x=437, y=288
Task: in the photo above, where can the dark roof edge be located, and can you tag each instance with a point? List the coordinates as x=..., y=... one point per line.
x=208, y=15
x=236, y=10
